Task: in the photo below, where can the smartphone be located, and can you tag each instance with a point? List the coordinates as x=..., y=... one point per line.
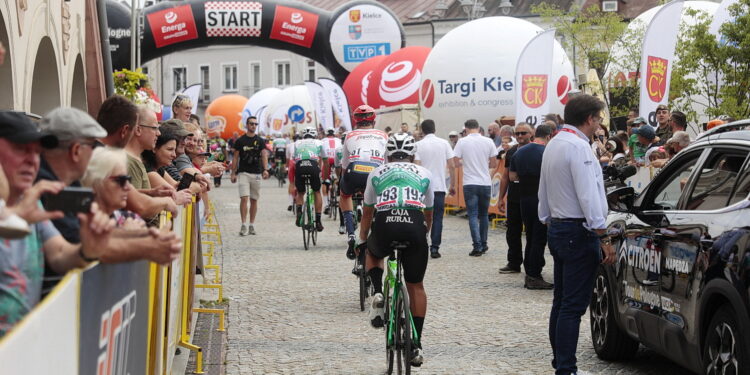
x=185, y=182
x=69, y=200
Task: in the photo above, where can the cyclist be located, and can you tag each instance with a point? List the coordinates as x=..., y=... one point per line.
x=309, y=159
x=400, y=198
x=330, y=144
x=279, y=151
x=363, y=150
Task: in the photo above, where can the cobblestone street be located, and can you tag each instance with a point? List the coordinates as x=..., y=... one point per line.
x=297, y=312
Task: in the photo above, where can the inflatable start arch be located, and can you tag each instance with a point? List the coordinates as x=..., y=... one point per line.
x=339, y=40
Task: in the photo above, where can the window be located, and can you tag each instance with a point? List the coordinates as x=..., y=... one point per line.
x=743, y=189
x=179, y=79
x=254, y=77
x=716, y=180
x=206, y=83
x=144, y=70
x=230, y=78
x=669, y=190
x=311, y=70
x=283, y=74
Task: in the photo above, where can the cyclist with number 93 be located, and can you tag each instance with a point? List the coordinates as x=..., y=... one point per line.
x=398, y=203
x=363, y=150
x=309, y=158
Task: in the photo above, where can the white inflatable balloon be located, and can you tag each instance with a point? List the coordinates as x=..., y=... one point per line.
x=470, y=73
x=257, y=101
x=290, y=107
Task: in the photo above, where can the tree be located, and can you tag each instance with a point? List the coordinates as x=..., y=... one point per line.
x=592, y=35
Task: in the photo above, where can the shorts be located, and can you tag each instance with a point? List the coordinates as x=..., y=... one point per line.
x=354, y=178
x=280, y=155
x=307, y=170
x=405, y=226
x=329, y=171
x=249, y=184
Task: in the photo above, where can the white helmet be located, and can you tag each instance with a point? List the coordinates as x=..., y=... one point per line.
x=309, y=132
x=401, y=143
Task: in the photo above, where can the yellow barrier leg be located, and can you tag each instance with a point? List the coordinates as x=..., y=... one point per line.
x=219, y=312
x=214, y=267
x=213, y=286
x=198, y=355
x=496, y=221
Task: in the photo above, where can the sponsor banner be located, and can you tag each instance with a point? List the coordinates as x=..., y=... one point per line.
x=114, y=324
x=294, y=26
x=397, y=78
x=172, y=25
x=321, y=104
x=364, y=31
x=338, y=101
x=233, y=18
x=46, y=340
x=465, y=74
x=533, y=72
x=657, y=58
x=358, y=81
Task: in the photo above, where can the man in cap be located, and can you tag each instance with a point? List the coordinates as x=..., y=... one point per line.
x=453, y=138
x=24, y=259
x=663, y=130
x=646, y=141
x=633, y=125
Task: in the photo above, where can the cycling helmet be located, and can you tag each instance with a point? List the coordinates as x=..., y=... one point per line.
x=401, y=145
x=364, y=115
x=309, y=132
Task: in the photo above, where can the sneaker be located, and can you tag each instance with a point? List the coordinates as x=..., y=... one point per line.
x=475, y=253
x=536, y=283
x=342, y=229
x=416, y=356
x=435, y=254
x=350, y=249
x=509, y=269
x=377, y=310
x=484, y=249
x=289, y=208
x=327, y=210
x=319, y=226
x=243, y=230
x=13, y=227
x=251, y=229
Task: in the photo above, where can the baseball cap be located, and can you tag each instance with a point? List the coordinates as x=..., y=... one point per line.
x=330, y=131
x=639, y=120
x=175, y=127
x=71, y=123
x=646, y=132
x=203, y=153
x=453, y=133
x=662, y=106
x=17, y=127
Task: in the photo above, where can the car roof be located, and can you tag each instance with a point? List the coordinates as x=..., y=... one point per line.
x=733, y=127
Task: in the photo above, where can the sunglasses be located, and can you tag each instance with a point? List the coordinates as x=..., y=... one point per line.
x=521, y=133
x=148, y=126
x=253, y=123
x=121, y=180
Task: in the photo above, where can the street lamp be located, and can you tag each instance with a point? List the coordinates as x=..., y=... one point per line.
x=505, y=6
x=473, y=8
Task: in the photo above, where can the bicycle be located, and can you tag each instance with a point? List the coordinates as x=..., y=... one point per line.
x=362, y=278
x=400, y=332
x=357, y=200
x=307, y=219
x=279, y=173
x=333, y=200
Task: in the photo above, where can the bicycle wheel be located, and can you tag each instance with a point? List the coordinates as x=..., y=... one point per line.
x=305, y=224
x=362, y=276
x=404, y=332
x=389, y=332
x=312, y=231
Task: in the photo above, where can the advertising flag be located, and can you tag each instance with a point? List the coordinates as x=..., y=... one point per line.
x=337, y=98
x=533, y=83
x=321, y=104
x=657, y=58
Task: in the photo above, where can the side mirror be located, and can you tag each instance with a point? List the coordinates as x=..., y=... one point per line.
x=621, y=199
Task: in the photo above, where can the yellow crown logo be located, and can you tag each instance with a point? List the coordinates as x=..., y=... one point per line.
x=658, y=67
x=535, y=81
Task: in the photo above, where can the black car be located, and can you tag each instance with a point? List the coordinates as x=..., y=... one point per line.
x=681, y=282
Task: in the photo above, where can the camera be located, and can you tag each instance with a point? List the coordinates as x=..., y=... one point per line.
x=615, y=173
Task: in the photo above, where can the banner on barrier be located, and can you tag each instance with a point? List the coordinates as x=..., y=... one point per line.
x=114, y=318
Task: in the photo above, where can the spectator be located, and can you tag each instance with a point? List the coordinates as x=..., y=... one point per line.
x=21, y=266
x=182, y=107
x=493, y=131
x=678, y=122
x=218, y=147
x=435, y=155
x=477, y=154
x=504, y=147
x=508, y=131
x=646, y=141
x=157, y=161
x=405, y=128
x=636, y=153
x=453, y=138
x=598, y=145
x=512, y=205
x=616, y=148
x=249, y=166
x=174, y=126
x=525, y=168
x=573, y=205
x=677, y=143
x=663, y=130
x=191, y=150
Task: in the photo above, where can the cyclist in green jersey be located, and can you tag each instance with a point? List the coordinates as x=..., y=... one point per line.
x=398, y=203
x=309, y=159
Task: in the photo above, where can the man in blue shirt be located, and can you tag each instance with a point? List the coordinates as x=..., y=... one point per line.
x=525, y=167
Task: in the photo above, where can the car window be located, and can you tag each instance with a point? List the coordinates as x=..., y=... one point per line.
x=668, y=192
x=716, y=180
x=743, y=189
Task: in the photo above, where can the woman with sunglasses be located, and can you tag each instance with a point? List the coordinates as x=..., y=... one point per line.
x=107, y=175
x=157, y=161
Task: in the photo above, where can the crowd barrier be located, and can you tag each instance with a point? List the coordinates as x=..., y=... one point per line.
x=125, y=318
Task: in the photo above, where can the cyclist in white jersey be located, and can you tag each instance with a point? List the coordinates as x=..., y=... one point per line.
x=330, y=143
x=363, y=150
x=309, y=159
x=398, y=205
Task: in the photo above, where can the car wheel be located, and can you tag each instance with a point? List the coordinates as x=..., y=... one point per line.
x=724, y=351
x=610, y=342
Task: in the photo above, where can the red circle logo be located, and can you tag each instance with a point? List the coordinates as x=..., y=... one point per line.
x=427, y=92
x=563, y=87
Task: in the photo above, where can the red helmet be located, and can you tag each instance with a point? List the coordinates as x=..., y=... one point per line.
x=364, y=113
